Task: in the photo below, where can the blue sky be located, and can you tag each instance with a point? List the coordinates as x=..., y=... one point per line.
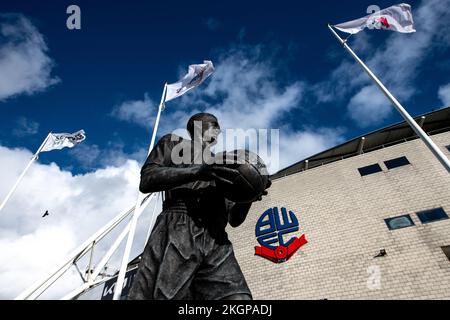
x=277, y=67
x=107, y=77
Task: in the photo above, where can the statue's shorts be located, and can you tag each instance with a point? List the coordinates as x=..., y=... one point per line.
x=182, y=261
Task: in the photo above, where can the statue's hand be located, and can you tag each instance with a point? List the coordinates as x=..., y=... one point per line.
x=265, y=192
x=207, y=172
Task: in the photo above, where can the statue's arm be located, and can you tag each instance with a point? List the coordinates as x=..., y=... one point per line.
x=158, y=178
x=238, y=212
x=157, y=174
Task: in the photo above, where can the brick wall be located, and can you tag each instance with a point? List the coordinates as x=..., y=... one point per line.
x=342, y=215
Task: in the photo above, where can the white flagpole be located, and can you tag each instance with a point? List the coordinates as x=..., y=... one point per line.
x=121, y=277
x=35, y=156
x=80, y=250
x=417, y=129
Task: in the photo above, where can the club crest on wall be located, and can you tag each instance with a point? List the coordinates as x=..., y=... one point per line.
x=276, y=235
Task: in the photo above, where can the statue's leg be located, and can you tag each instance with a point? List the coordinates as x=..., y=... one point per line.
x=170, y=259
x=143, y=285
x=220, y=276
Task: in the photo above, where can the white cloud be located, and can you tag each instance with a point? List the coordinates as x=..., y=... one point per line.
x=25, y=259
x=245, y=93
x=92, y=157
x=299, y=145
x=244, y=90
x=141, y=112
x=369, y=106
x=397, y=62
x=444, y=94
x=24, y=63
x=79, y=205
x=87, y=155
x=25, y=127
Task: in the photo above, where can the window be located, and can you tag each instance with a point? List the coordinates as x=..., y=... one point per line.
x=397, y=162
x=374, y=168
x=448, y=147
x=399, y=222
x=446, y=250
x=432, y=215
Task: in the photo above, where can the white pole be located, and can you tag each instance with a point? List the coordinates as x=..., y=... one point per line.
x=92, y=281
x=76, y=253
x=35, y=156
x=38, y=287
x=155, y=129
x=120, y=279
x=83, y=288
x=116, y=244
x=39, y=291
x=72, y=294
x=417, y=129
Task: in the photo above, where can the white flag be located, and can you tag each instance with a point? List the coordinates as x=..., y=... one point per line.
x=197, y=73
x=396, y=18
x=61, y=140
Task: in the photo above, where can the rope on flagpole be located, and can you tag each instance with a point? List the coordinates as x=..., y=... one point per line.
x=34, y=158
x=346, y=39
x=120, y=279
x=417, y=129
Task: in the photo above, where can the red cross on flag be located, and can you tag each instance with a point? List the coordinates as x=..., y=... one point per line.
x=396, y=18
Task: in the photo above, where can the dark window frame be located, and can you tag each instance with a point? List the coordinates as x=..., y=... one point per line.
x=388, y=220
x=368, y=170
x=424, y=220
x=396, y=162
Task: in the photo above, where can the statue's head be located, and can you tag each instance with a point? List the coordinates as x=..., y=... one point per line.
x=204, y=126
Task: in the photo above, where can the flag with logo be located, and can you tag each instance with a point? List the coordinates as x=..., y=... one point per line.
x=61, y=140
x=395, y=18
x=197, y=73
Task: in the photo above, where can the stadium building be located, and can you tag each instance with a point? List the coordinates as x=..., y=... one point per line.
x=374, y=211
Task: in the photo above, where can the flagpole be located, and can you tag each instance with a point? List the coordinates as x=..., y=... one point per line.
x=417, y=129
x=121, y=277
x=35, y=156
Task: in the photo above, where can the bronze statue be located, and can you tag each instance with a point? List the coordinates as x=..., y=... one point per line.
x=188, y=254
